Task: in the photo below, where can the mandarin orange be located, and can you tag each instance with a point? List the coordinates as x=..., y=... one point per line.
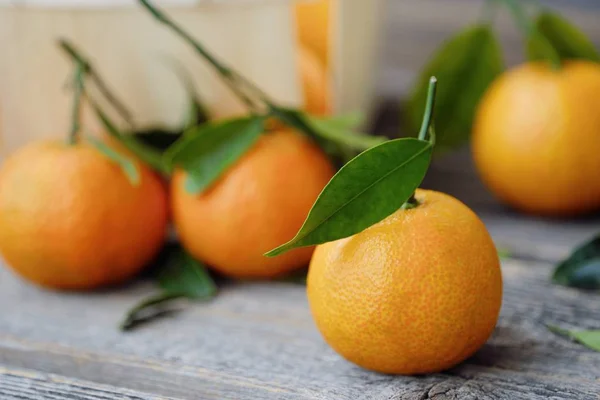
x=536, y=138
x=259, y=203
x=71, y=219
x=417, y=293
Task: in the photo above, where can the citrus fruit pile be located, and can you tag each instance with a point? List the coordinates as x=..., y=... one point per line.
x=402, y=281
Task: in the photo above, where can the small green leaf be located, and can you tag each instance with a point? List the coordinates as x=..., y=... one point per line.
x=179, y=276
x=466, y=64
x=158, y=138
x=539, y=48
x=582, y=268
x=347, y=121
x=567, y=39
x=145, y=153
x=294, y=119
x=126, y=164
x=504, y=253
x=365, y=191
x=184, y=275
x=334, y=135
x=335, y=131
x=207, y=151
x=588, y=338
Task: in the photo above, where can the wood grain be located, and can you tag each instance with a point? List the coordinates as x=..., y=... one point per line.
x=25, y=384
x=257, y=340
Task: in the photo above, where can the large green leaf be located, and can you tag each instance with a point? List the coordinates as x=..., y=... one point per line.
x=588, y=338
x=365, y=191
x=205, y=152
x=565, y=38
x=179, y=276
x=126, y=164
x=582, y=268
x=465, y=65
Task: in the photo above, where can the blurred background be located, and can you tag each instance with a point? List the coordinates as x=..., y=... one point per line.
x=414, y=29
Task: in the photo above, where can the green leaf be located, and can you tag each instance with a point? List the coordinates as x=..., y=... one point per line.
x=465, y=65
x=539, y=48
x=365, y=191
x=184, y=275
x=566, y=39
x=179, y=276
x=144, y=152
x=294, y=119
x=158, y=138
x=335, y=131
x=504, y=253
x=126, y=164
x=347, y=121
x=582, y=268
x=207, y=151
x=588, y=338
x=334, y=135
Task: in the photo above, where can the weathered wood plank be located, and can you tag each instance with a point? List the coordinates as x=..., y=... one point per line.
x=258, y=341
x=16, y=384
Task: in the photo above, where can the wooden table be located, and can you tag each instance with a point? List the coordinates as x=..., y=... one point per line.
x=258, y=341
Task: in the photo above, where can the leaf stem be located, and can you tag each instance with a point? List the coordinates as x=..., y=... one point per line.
x=77, y=96
x=426, y=127
x=521, y=19
x=133, y=317
x=239, y=84
x=429, y=108
x=411, y=203
x=88, y=70
x=229, y=77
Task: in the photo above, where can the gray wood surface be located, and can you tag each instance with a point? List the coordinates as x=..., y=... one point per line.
x=257, y=341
